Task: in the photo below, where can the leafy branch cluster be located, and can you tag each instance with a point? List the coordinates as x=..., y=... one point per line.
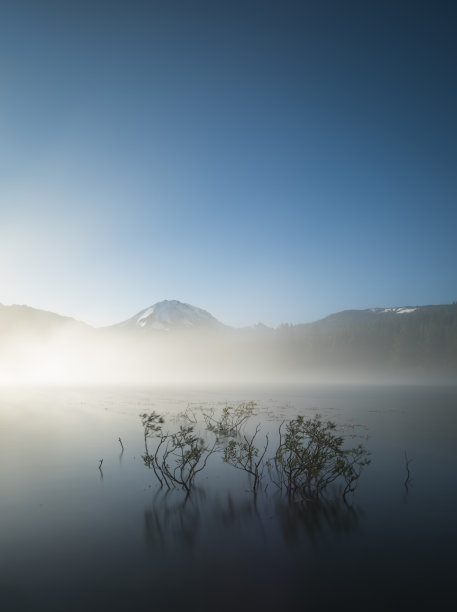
x=231, y=419
x=310, y=455
x=243, y=455
x=178, y=457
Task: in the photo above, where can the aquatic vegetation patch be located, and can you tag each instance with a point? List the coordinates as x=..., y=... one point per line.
x=309, y=456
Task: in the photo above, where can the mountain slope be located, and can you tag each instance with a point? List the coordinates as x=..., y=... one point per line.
x=171, y=314
x=26, y=321
x=415, y=337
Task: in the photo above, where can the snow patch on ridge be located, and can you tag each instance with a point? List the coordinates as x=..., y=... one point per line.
x=396, y=310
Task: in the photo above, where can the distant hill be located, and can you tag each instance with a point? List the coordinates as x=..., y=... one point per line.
x=420, y=337
x=172, y=339
x=26, y=321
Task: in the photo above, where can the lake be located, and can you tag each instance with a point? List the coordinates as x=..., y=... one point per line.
x=76, y=537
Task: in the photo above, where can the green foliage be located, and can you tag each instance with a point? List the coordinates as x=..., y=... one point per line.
x=311, y=456
x=231, y=419
x=177, y=457
x=152, y=423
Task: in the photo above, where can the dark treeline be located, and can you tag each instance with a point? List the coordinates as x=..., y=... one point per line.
x=423, y=339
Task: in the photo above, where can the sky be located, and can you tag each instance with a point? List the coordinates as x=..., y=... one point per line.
x=267, y=161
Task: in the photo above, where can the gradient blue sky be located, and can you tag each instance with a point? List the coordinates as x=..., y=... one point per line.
x=267, y=161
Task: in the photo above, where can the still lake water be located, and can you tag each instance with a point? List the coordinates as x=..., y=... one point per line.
x=74, y=538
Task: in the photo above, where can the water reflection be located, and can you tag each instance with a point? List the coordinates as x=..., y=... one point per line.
x=314, y=521
x=408, y=480
x=174, y=520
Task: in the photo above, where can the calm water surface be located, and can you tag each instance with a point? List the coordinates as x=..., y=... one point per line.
x=75, y=538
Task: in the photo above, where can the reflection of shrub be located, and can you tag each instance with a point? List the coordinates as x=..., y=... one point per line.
x=310, y=457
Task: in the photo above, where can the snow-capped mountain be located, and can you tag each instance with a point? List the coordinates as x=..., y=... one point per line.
x=171, y=314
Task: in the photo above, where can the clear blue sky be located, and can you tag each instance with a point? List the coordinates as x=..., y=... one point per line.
x=266, y=161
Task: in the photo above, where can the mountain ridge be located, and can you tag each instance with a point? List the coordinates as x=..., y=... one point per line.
x=174, y=341
x=165, y=314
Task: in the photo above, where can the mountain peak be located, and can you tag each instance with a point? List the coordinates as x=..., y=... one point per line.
x=170, y=314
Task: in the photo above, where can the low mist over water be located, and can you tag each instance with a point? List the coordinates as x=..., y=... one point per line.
x=85, y=523
x=175, y=343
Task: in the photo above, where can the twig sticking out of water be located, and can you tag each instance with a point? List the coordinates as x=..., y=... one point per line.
x=122, y=446
x=408, y=473
x=100, y=465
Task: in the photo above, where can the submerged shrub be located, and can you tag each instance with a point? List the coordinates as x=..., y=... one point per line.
x=231, y=420
x=311, y=456
x=152, y=425
x=177, y=457
x=244, y=455
x=185, y=455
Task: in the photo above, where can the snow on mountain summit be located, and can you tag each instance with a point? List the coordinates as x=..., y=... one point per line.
x=170, y=314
